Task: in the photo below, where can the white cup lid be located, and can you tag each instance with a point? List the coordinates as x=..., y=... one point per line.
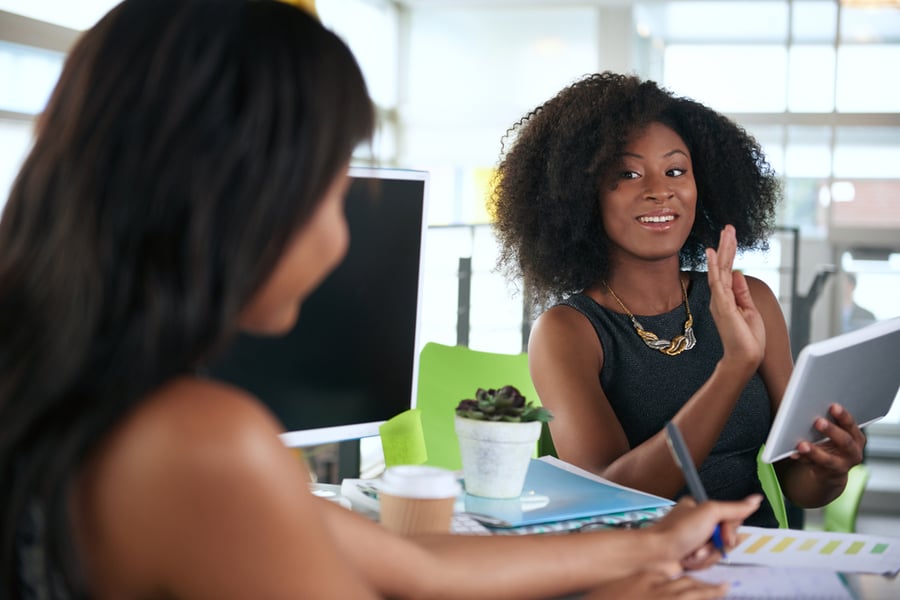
x=419, y=481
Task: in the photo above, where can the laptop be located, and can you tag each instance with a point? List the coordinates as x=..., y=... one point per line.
x=859, y=370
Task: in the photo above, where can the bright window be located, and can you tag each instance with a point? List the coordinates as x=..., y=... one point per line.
x=872, y=291
x=80, y=14
x=735, y=21
x=808, y=151
x=863, y=84
x=813, y=21
x=15, y=140
x=27, y=76
x=729, y=78
x=369, y=27
x=811, y=78
x=867, y=152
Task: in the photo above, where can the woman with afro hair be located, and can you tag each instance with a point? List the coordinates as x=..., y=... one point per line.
x=610, y=198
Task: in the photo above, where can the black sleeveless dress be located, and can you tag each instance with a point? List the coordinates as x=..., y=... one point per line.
x=646, y=388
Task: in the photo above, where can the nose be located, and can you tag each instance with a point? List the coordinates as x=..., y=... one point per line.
x=656, y=188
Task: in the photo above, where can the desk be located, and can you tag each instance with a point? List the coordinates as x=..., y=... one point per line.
x=862, y=586
x=872, y=587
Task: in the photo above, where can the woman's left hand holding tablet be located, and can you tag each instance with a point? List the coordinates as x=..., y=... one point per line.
x=832, y=459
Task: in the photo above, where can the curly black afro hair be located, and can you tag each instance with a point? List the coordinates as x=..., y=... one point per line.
x=555, y=161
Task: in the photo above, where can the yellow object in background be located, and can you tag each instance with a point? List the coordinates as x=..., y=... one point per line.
x=483, y=180
x=403, y=440
x=309, y=5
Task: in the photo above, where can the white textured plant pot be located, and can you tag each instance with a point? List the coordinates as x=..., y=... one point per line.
x=495, y=455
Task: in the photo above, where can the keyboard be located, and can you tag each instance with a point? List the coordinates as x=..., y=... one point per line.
x=463, y=524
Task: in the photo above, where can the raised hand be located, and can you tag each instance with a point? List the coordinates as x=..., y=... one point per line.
x=739, y=323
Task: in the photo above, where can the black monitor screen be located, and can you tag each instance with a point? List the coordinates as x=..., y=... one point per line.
x=351, y=361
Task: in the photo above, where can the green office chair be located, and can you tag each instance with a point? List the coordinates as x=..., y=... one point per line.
x=838, y=516
x=448, y=374
x=771, y=488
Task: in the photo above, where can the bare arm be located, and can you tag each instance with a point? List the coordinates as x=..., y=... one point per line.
x=520, y=567
x=565, y=358
x=196, y=497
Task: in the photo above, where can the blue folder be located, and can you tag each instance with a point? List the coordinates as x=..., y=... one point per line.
x=552, y=493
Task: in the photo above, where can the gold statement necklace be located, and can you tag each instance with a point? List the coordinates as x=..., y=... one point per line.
x=671, y=347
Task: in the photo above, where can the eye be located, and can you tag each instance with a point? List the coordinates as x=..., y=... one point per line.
x=676, y=172
x=629, y=175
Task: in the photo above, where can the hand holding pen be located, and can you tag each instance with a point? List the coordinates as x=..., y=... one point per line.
x=692, y=478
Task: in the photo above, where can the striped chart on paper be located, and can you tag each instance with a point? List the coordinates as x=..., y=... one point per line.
x=845, y=552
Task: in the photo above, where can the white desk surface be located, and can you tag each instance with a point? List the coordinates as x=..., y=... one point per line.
x=861, y=586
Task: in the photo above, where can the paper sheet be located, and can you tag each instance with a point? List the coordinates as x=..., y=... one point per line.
x=843, y=552
x=788, y=583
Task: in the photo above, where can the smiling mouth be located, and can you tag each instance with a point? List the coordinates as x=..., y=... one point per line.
x=662, y=219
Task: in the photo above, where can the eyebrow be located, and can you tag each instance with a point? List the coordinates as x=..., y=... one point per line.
x=666, y=155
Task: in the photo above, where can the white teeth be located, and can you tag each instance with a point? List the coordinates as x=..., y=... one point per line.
x=664, y=219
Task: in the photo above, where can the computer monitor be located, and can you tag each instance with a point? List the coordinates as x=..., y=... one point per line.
x=351, y=361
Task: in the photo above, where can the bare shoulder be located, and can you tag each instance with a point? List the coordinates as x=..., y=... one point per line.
x=766, y=300
x=759, y=288
x=169, y=494
x=561, y=323
x=563, y=343
x=203, y=411
x=189, y=425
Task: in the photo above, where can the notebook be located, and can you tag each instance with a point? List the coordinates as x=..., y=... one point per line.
x=858, y=369
x=557, y=491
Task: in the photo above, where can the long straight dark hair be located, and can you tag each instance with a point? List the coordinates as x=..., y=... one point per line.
x=185, y=142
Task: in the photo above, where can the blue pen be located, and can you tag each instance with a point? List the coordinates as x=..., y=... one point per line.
x=686, y=464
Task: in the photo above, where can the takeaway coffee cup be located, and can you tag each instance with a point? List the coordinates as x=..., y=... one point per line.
x=417, y=499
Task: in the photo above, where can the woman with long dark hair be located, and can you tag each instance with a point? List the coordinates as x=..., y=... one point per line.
x=187, y=183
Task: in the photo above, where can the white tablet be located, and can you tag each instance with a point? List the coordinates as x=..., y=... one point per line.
x=859, y=370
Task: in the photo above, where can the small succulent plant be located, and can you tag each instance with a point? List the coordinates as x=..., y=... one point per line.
x=506, y=404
